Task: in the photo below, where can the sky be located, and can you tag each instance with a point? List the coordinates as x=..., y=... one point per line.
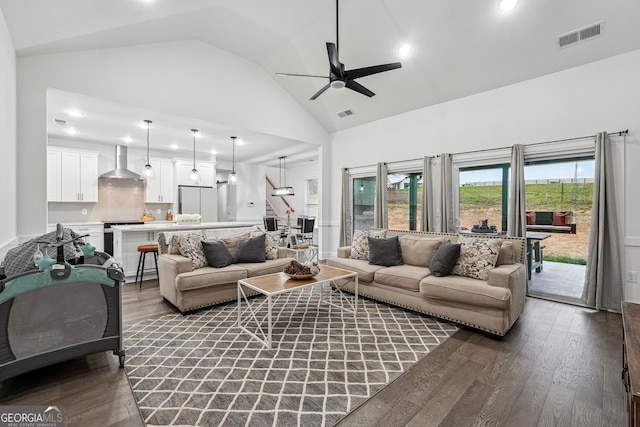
x=565, y=170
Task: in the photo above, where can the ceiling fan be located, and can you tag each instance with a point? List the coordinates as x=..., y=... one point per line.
x=338, y=76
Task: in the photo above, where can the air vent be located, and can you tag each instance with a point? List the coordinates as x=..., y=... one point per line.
x=581, y=34
x=345, y=113
x=60, y=122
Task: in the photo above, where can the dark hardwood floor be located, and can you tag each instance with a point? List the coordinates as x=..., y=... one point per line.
x=559, y=366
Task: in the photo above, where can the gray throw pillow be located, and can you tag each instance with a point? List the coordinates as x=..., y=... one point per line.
x=217, y=253
x=251, y=249
x=385, y=252
x=444, y=259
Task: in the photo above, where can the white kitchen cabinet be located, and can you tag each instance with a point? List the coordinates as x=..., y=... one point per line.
x=207, y=173
x=72, y=175
x=125, y=251
x=160, y=188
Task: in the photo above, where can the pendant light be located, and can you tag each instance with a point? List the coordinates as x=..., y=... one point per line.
x=283, y=190
x=233, y=176
x=195, y=175
x=147, y=170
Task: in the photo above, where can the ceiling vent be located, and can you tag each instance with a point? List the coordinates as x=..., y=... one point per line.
x=581, y=34
x=345, y=113
x=60, y=122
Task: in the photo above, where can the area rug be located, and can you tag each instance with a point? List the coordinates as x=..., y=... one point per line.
x=202, y=370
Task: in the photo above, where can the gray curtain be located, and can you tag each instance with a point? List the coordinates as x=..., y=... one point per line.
x=345, y=218
x=516, y=219
x=380, y=208
x=603, y=278
x=427, y=196
x=447, y=221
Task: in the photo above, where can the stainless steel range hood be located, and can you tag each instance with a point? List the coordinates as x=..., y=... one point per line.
x=121, y=171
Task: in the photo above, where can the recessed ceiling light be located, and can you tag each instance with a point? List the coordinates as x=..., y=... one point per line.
x=405, y=51
x=239, y=141
x=75, y=113
x=174, y=146
x=127, y=139
x=213, y=152
x=71, y=131
x=507, y=5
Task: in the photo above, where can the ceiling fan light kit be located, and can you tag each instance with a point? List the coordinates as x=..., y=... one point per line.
x=338, y=76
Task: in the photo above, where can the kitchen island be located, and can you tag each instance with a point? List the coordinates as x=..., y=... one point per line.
x=127, y=238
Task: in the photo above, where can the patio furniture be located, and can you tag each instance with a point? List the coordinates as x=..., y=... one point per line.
x=534, y=252
x=551, y=221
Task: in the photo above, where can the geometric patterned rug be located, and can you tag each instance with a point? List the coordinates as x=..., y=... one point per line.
x=202, y=370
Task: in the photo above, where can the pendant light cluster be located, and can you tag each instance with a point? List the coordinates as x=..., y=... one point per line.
x=283, y=190
x=233, y=176
x=195, y=175
x=147, y=170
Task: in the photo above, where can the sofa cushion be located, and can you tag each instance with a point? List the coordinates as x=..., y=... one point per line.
x=465, y=290
x=217, y=253
x=477, y=257
x=445, y=258
x=418, y=250
x=360, y=242
x=232, y=242
x=365, y=270
x=267, y=267
x=506, y=255
x=271, y=243
x=384, y=252
x=402, y=276
x=251, y=249
x=190, y=246
x=209, y=276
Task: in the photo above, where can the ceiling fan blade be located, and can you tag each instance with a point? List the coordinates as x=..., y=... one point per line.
x=320, y=92
x=301, y=75
x=367, y=71
x=359, y=88
x=336, y=67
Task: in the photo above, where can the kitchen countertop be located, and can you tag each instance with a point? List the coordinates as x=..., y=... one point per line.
x=173, y=226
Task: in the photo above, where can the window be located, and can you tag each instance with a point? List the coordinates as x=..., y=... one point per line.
x=404, y=200
x=364, y=194
x=484, y=194
x=311, y=197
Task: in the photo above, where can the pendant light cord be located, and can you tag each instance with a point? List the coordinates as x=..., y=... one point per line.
x=148, y=122
x=233, y=155
x=194, y=147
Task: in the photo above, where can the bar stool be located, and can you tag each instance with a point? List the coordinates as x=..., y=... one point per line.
x=144, y=249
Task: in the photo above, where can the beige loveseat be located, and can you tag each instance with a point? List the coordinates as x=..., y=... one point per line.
x=492, y=305
x=190, y=289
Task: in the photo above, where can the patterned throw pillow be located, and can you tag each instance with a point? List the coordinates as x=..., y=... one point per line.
x=271, y=242
x=190, y=246
x=360, y=242
x=477, y=257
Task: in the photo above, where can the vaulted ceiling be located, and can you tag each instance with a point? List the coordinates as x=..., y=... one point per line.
x=460, y=47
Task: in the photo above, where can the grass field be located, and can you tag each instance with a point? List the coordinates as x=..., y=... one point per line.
x=485, y=202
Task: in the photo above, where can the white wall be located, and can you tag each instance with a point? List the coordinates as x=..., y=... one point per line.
x=249, y=188
x=8, y=156
x=602, y=96
x=187, y=78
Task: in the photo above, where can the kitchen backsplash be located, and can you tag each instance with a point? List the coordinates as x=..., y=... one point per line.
x=118, y=200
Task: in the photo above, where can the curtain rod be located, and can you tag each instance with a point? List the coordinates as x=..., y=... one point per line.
x=619, y=133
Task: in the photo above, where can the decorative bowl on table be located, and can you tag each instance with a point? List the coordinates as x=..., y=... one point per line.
x=298, y=271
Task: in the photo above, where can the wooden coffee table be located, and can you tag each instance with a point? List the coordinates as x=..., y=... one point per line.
x=271, y=285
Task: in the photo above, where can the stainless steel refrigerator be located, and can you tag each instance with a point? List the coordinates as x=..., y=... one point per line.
x=198, y=200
